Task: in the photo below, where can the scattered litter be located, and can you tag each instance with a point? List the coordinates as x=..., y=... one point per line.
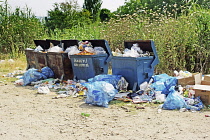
x=43, y=90
x=85, y=114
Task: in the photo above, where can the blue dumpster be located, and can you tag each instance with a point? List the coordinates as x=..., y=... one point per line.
x=136, y=70
x=88, y=66
x=59, y=61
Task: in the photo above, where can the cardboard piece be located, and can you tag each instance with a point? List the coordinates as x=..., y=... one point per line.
x=204, y=92
x=193, y=80
x=207, y=77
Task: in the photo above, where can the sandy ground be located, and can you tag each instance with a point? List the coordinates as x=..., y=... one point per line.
x=25, y=115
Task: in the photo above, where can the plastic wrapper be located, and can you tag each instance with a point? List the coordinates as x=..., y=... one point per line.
x=33, y=75
x=112, y=79
x=43, y=90
x=174, y=100
x=100, y=93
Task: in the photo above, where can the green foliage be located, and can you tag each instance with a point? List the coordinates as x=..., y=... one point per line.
x=160, y=6
x=66, y=15
x=17, y=30
x=182, y=41
x=93, y=6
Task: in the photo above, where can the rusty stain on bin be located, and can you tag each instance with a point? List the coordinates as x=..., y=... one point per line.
x=60, y=64
x=41, y=60
x=30, y=57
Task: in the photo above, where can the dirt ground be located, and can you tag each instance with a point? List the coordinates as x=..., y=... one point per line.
x=26, y=115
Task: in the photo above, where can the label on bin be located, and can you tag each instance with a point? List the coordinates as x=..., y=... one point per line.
x=81, y=62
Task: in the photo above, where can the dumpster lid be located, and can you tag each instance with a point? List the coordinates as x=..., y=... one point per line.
x=68, y=43
x=42, y=43
x=54, y=42
x=101, y=43
x=145, y=45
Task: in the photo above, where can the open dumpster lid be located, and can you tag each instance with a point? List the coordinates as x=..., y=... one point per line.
x=68, y=43
x=101, y=43
x=42, y=43
x=145, y=45
x=54, y=42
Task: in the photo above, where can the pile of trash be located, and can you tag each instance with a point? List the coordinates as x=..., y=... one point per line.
x=135, y=51
x=101, y=89
x=83, y=48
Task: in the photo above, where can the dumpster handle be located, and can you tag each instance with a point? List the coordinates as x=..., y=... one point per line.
x=108, y=59
x=155, y=62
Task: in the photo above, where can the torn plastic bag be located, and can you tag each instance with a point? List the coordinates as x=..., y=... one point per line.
x=33, y=75
x=122, y=84
x=112, y=79
x=100, y=93
x=174, y=100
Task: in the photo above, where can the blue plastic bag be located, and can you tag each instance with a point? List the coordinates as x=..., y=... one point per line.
x=112, y=79
x=100, y=93
x=163, y=83
x=33, y=75
x=174, y=100
x=47, y=72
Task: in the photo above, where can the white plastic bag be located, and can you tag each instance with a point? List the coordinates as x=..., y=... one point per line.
x=73, y=50
x=90, y=49
x=38, y=48
x=55, y=49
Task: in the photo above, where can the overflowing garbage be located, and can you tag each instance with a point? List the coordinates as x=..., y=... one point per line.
x=98, y=88
x=135, y=51
x=102, y=89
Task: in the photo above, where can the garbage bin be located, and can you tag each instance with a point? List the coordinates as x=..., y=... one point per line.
x=41, y=57
x=136, y=70
x=60, y=62
x=88, y=66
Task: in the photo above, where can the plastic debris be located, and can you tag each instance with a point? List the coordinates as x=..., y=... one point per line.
x=43, y=90
x=100, y=93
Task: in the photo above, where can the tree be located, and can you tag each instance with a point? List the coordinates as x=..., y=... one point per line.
x=66, y=15
x=93, y=6
x=105, y=14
